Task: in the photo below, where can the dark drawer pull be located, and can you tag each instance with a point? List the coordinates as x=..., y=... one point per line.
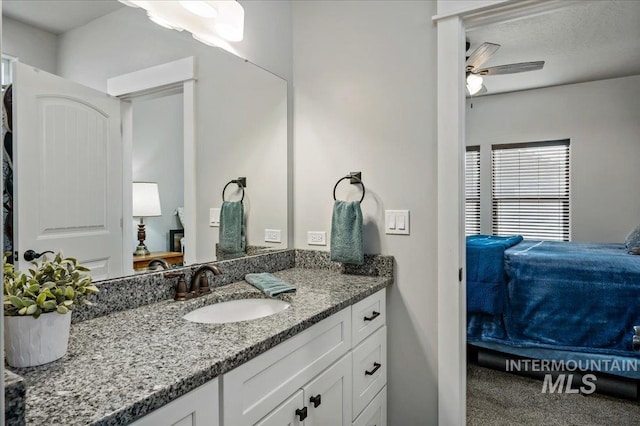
x=373, y=316
x=301, y=413
x=316, y=400
x=376, y=367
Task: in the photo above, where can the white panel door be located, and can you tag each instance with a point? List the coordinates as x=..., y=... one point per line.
x=288, y=413
x=328, y=396
x=68, y=171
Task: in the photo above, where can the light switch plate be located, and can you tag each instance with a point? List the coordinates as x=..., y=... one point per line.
x=272, y=236
x=317, y=238
x=214, y=217
x=396, y=222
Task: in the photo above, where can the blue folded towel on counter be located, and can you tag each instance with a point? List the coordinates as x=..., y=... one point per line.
x=269, y=284
x=347, y=241
x=232, y=231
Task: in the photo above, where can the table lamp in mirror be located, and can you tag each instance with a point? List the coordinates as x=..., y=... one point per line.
x=146, y=203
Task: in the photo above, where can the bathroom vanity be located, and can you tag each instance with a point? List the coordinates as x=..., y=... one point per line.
x=333, y=373
x=321, y=361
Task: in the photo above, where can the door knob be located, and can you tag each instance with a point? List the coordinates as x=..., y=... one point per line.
x=31, y=255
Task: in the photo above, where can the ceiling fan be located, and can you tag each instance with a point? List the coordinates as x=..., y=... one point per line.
x=481, y=55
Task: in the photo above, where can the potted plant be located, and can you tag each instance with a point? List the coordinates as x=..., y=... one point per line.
x=37, y=308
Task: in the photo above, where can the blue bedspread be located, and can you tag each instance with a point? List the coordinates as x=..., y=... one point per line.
x=486, y=279
x=577, y=297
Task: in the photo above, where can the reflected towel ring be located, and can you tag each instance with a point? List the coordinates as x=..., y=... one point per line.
x=355, y=178
x=241, y=182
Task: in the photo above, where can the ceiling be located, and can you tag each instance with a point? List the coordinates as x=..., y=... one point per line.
x=590, y=40
x=58, y=16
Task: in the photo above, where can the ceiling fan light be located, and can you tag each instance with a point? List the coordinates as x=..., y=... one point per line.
x=474, y=83
x=200, y=8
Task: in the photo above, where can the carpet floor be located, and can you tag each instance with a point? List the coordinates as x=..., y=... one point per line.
x=499, y=398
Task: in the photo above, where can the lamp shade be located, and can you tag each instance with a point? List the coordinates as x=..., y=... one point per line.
x=146, y=199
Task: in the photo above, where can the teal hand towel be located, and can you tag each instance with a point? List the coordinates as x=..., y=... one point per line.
x=347, y=244
x=232, y=232
x=269, y=284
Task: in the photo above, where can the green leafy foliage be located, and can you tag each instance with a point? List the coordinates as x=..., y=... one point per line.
x=57, y=285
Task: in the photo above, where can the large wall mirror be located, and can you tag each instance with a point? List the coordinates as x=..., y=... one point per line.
x=74, y=183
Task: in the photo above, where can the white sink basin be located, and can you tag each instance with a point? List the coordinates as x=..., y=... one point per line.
x=236, y=310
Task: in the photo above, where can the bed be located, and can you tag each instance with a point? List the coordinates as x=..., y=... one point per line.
x=558, y=300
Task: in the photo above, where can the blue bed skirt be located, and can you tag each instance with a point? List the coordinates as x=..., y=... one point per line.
x=576, y=298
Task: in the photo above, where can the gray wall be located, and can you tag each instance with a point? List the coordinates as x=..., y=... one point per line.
x=602, y=120
x=31, y=45
x=93, y=53
x=158, y=157
x=365, y=100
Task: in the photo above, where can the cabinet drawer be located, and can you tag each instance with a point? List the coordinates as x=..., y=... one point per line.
x=368, y=315
x=255, y=388
x=376, y=412
x=369, y=369
x=197, y=408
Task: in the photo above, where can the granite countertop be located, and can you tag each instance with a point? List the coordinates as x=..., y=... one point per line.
x=124, y=365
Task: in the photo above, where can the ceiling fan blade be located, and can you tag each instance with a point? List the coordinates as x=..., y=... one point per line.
x=481, y=55
x=511, y=68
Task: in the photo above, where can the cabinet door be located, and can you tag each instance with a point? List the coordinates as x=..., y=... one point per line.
x=197, y=408
x=328, y=396
x=286, y=413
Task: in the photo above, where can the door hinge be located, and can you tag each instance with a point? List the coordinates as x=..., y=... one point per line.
x=460, y=275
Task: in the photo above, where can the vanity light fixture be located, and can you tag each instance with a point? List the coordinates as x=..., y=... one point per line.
x=200, y=8
x=163, y=23
x=146, y=203
x=208, y=21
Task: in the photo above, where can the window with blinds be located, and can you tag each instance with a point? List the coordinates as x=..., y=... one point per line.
x=472, y=190
x=531, y=190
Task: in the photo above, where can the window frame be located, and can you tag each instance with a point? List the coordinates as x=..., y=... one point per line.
x=473, y=148
x=564, y=202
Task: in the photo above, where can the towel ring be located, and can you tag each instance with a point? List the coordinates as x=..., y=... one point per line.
x=241, y=182
x=354, y=179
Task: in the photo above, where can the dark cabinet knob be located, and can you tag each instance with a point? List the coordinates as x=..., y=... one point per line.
x=316, y=400
x=373, y=316
x=301, y=413
x=376, y=367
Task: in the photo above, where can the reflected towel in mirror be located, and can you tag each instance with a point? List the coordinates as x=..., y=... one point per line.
x=232, y=230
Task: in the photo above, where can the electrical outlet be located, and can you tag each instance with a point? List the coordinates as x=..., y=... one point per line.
x=317, y=238
x=272, y=236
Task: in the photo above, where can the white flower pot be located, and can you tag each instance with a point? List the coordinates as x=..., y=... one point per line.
x=29, y=341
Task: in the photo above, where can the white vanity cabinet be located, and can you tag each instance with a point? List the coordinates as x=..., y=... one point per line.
x=320, y=377
x=197, y=408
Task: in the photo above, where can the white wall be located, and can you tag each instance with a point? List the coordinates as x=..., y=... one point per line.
x=30, y=45
x=93, y=53
x=158, y=157
x=602, y=120
x=365, y=100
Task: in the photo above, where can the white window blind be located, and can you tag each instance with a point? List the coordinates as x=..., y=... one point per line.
x=472, y=190
x=531, y=190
